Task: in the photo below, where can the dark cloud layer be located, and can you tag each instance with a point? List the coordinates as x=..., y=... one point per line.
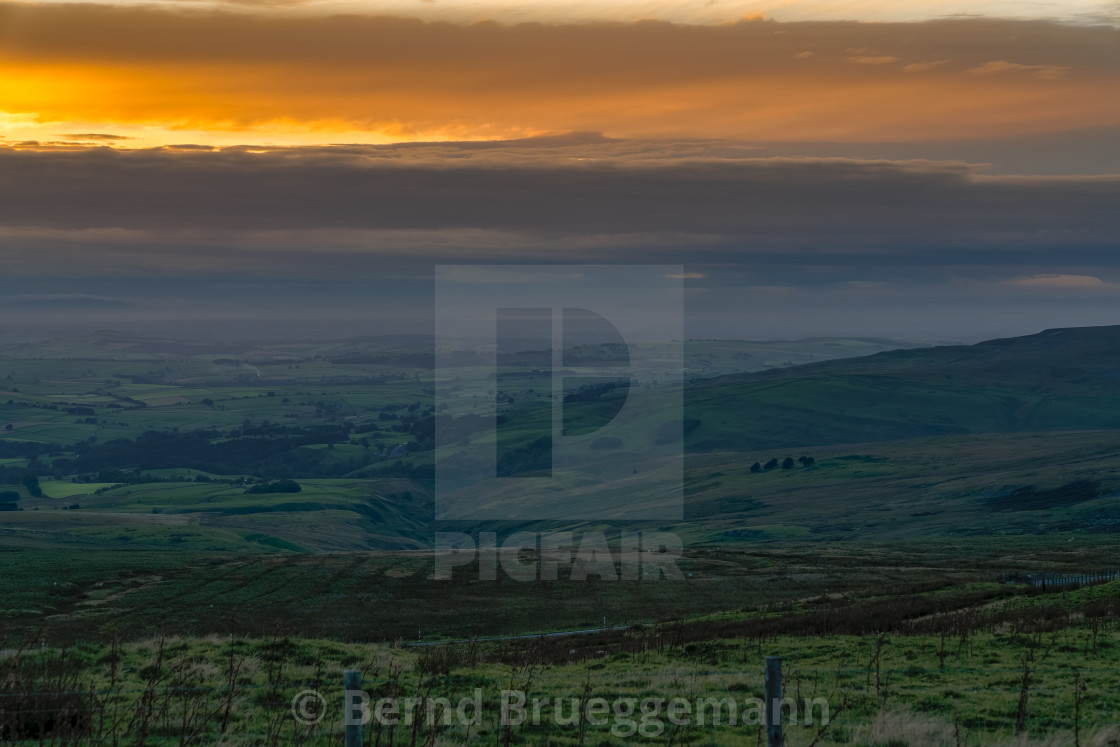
x=820, y=201
x=773, y=246
x=645, y=50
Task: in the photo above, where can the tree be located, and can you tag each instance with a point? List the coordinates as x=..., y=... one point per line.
x=806, y=461
x=787, y=463
x=31, y=482
x=771, y=464
x=756, y=467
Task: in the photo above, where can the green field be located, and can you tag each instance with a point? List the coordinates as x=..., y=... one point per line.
x=860, y=516
x=988, y=667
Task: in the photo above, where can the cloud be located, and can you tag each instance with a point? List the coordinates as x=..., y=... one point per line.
x=95, y=136
x=598, y=199
x=921, y=67
x=1063, y=282
x=141, y=72
x=1043, y=72
x=872, y=59
x=770, y=246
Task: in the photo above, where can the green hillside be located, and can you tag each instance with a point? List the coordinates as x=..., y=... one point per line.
x=1012, y=437
x=1061, y=379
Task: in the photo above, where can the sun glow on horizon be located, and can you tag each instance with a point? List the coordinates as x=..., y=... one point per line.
x=140, y=77
x=26, y=130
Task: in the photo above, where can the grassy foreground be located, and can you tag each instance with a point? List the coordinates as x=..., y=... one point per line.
x=988, y=667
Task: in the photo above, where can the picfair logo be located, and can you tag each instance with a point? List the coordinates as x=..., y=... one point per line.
x=558, y=392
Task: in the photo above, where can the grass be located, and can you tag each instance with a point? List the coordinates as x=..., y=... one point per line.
x=63, y=489
x=959, y=491
x=916, y=689
x=173, y=379
x=932, y=479
x=203, y=577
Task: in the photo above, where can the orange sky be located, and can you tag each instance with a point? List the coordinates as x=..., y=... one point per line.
x=216, y=78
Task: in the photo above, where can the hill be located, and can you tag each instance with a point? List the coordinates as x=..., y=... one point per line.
x=952, y=441
x=1059, y=379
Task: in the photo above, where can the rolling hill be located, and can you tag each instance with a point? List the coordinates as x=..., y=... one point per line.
x=1059, y=379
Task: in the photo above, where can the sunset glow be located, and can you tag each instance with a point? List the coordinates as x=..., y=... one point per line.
x=206, y=78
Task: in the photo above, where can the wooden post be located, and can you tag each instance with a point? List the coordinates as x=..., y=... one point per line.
x=774, y=701
x=352, y=683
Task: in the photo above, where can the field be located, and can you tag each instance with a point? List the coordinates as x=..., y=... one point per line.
x=1019, y=487
x=174, y=509
x=983, y=666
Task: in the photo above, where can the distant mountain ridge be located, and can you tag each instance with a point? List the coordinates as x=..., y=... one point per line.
x=1058, y=379
x=1088, y=348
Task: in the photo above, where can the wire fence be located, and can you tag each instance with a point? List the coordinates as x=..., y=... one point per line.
x=279, y=691
x=272, y=712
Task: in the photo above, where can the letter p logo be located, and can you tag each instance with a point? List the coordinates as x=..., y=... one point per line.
x=558, y=392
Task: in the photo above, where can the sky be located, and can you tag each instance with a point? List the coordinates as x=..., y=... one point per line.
x=923, y=170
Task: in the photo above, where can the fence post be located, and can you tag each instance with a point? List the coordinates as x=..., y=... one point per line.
x=774, y=701
x=352, y=684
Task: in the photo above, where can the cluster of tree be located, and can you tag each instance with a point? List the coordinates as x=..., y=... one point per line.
x=276, y=486
x=24, y=449
x=327, y=433
x=36, y=405
x=534, y=456
x=15, y=475
x=280, y=456
x=268, y=450
x=409, y=421
x=9, y=498
x=31, y=482
x=787, y=463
